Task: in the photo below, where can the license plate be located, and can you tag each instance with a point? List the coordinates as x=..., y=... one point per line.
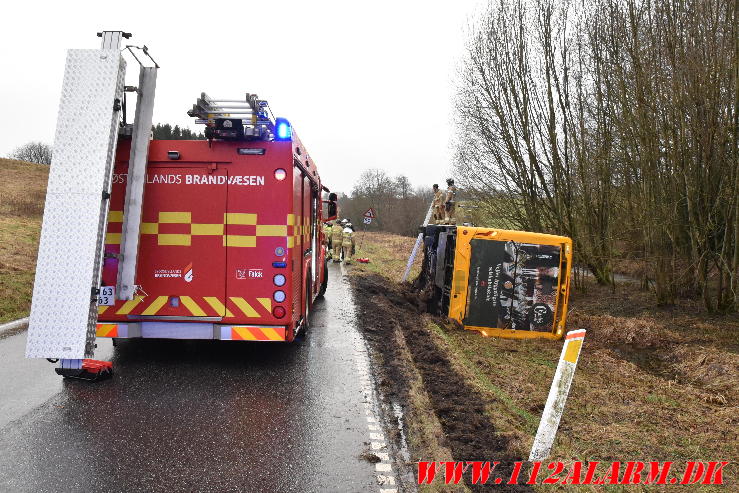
x=106, y=296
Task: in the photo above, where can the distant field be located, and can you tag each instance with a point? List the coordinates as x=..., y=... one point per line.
x=22, y=193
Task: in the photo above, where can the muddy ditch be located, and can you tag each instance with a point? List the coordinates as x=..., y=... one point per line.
x=387, y=310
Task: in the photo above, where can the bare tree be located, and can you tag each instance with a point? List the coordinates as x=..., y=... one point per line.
x=33, y=152
x=614, y=122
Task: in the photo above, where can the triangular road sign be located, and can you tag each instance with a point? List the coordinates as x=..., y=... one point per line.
x=370, y=213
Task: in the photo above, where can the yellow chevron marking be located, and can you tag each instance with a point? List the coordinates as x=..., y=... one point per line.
x=149, y=228
x=290, y=241
x=171, y=239
x=269, y=230
x=102, y=308
x=105, y=330
x=239, y=241
x=206, y=229
x=290, y=219
x=192, y=306
x=129, y=305
x=271, y=334
x=244, y=333
x=175, y=217
x=115, y=216
x=266, y=303
x=113, y=238
x=216, y=304
x=239, y=218
x=155, y=306
x=245, y=307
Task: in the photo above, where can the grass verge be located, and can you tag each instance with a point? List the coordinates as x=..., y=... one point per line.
x=657, y=384
x=22, y=194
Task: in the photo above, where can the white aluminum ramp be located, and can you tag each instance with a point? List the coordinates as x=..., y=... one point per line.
x=64, y=310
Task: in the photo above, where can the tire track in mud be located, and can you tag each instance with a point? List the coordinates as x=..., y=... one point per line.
x=383, y=309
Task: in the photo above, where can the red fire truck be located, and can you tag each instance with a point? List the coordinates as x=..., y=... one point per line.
x=231, y=243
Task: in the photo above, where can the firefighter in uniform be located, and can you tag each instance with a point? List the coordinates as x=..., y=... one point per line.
x=327, y=238
x=437, y=205
x=347, y=243
x=336, y=236
x=450, y=213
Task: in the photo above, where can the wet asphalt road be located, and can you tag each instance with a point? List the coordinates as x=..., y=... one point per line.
x=193, y=415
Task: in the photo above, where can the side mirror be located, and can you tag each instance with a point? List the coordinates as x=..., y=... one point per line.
x=330, y=210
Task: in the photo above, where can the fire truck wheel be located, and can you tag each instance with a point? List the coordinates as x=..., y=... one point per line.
x=324, y=283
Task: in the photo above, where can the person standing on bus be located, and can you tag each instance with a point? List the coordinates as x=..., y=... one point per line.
x=450, y=204
x=347, y=243
x=437, y=205
x=336, y=238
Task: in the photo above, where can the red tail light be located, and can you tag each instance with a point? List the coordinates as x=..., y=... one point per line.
x=278, y=312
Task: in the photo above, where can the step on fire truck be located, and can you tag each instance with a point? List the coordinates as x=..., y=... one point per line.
x=209, y=239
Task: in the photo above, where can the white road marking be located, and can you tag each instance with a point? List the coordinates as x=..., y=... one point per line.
x=377, y=442
x=385, y=480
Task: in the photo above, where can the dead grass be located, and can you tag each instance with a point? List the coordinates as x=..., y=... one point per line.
x=388, y=254
x=652, y=383
x=22, y=193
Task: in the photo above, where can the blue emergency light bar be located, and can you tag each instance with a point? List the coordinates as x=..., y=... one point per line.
x=283, y=130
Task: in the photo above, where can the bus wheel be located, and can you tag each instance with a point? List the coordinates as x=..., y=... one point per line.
x=324, y=283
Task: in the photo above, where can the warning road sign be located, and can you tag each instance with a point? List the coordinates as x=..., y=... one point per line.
x=370, y=213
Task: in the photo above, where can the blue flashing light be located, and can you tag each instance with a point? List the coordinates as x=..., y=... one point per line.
x=283, y=130
x=279, y=265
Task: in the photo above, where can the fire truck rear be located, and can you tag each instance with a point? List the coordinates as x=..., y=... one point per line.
x=210, y=239
x=230, y=243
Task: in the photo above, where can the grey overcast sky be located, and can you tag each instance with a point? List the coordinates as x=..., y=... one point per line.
x=365, y=84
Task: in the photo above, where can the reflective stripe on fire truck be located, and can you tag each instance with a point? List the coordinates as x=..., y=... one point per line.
x=155, y=306
x=129, y=305
x=207, y=306
x=219, y=307
x=243, y=333
x=192, y=306
x=106, y=330
x=208, y=229
x=297, y=229
x=244, y=306
x=266, y=303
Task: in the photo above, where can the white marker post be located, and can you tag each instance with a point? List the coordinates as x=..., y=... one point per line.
x=557, y=396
